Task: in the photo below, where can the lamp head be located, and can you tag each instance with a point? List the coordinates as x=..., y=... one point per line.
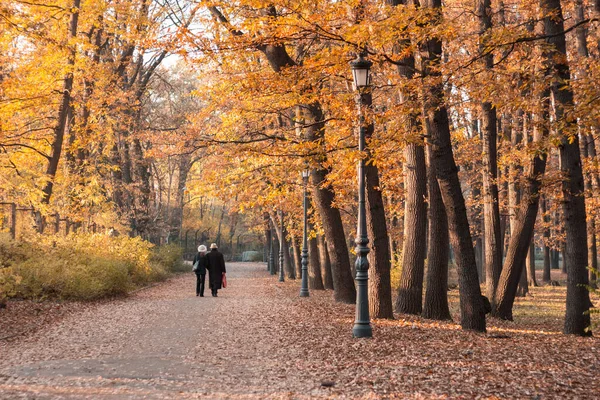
x=361, y=72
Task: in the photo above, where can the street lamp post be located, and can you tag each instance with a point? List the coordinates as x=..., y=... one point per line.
x=304, y=285
x=362, y=323
x=281, y=245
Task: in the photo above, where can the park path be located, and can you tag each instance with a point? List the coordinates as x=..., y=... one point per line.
x=259, y=340
x=160, y=343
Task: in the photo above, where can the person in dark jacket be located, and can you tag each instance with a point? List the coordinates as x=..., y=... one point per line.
x=216, y=268
x=200, y=271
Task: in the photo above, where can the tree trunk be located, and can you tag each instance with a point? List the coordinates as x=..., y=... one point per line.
x=325, y=263
x=287, y=259
x=524, y=223
x=472, y=305
x=531, y=264
x=63, y=109
x=297, y=256
x=177, y=216
x=315, y=281
x=409, y=298
x=588, y=148
x=577, y=320
x=436, y=295
x=546, y=277
x=380, y=289
x=522, y=288
x=555, y=255
x=410, y=289
x=344, y=290
x=491, y=208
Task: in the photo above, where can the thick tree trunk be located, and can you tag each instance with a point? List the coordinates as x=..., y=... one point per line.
x=380, y=289
x=325, y=263
x=522, y=232
x=491, y=208
x=63, y=109
x=588, y=148
x=344, y=289
x=410, y=290
x=436, y=295
x=409, y=298
x=577, y=320
x=472, y=304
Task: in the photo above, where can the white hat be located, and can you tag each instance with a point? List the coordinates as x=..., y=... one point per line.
x=202, y=248
x=213, y=246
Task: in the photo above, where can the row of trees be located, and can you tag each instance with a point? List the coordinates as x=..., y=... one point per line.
x=484, y=113
x=475, y=105
x=85, y=107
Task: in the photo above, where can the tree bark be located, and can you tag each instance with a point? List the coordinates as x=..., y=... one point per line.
x=64, y=107
x=522, y=232
x=546, y=277
x=577, y=320
x=325, y=263
x=344, y=290
x=531, y=263
x=297, y=256
x=315, y=280
x=436, y=295
x=380, y=289
x=177, y=216
x=409, y=298
x=491, y=209
x=591, y=183
x=472, y=305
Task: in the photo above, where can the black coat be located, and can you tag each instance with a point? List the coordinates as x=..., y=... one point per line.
x=216, y=268
x=202, y=265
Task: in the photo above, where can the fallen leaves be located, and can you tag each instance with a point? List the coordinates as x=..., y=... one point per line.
x=260, y=340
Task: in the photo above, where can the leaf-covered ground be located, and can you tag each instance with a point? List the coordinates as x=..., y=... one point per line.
x=258, y=339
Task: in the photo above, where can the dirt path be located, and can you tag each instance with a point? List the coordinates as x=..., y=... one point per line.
x=258, y=339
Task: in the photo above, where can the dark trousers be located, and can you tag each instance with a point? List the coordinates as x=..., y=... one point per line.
x=200, y=278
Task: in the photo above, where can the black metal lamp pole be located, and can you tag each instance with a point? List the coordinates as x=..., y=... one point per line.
x=304, y=285
x=281, y=244
x=362, y=323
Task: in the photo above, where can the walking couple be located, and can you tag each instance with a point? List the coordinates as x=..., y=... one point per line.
x=214, y=263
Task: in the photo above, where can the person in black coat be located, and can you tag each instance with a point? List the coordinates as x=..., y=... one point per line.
x=200, y=271
x=216, y=268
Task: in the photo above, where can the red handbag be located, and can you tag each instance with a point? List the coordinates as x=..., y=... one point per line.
x=224, y=280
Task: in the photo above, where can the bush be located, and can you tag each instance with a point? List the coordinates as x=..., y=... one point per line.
x=82, y=278
x=170, y=256
x=81, y=266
